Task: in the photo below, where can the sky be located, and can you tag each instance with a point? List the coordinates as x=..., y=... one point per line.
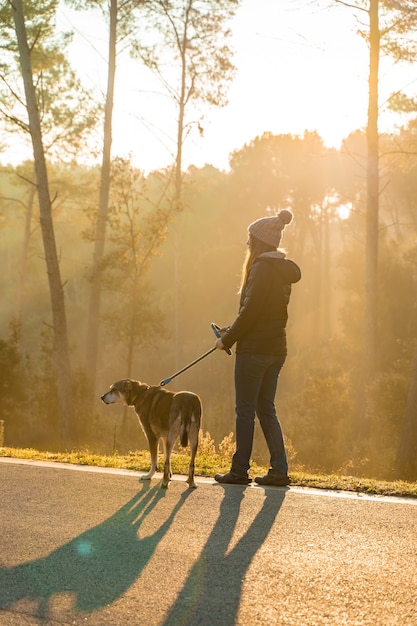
x=300, y=66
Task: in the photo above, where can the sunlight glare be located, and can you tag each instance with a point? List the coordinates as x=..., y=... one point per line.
x=344, y=210
x=84, y=548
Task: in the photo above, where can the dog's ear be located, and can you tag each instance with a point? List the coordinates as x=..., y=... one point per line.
x=128, y=385
x=143, y=386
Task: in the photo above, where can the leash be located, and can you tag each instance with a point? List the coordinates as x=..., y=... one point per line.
x=216, y=330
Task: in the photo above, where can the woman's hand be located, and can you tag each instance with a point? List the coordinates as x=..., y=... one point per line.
x=219, y=343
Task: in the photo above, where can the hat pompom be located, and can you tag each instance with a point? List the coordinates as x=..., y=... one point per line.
x=269, y=229
x=285, y=217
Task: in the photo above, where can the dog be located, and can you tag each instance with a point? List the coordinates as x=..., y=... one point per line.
x=165, y=415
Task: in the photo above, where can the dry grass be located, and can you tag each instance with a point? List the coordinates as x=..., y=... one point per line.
x=208, y=462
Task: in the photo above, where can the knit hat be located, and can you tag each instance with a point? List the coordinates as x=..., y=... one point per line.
x=269, y=229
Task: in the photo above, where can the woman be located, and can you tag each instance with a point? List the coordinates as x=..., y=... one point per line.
x=261, y=348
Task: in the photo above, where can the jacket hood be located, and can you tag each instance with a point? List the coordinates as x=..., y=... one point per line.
x=275, y=254
x=289, y=270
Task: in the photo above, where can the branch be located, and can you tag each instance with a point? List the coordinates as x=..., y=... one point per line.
x=14, y=94
x=399, y=151
x=26, y=179
x=351, y=6
x=15, y=120
x=352, y=156
x=13, y=200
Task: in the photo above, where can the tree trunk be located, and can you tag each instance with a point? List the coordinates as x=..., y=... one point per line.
x=361, y=426
x=371, y=278
x=61, y=349
x=93, y=321
x=178, y=202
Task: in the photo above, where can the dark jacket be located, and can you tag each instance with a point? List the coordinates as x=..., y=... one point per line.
x=260, y=325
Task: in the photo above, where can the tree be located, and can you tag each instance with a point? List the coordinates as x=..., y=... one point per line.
x=373, y=36
x=61, y=347
x=137, y=230
x=66, y=110
x=388, y=21
x=120, y=26
x=103, y=205
x=372, y=204
x=191, y=46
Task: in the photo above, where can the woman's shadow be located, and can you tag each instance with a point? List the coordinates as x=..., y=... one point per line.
x=96, y=567
x=212, y=592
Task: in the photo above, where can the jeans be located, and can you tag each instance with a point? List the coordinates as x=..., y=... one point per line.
x=256, y=379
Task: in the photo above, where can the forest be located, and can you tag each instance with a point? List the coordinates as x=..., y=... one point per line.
x=110, y=272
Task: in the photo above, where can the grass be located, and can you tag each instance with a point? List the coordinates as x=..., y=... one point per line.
x=208, y=463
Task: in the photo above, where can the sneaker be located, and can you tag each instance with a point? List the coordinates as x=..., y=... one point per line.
x=271, y=479
x=233, y=479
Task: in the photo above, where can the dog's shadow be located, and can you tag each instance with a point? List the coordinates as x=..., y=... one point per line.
x=96, y=567
x=212, y=592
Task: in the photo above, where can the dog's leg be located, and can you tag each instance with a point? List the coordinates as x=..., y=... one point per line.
x=167, y=462
x=164, y=447
x=169, y=445
x=153, y=449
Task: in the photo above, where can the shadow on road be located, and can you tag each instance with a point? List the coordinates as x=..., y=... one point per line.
x=211, y=594
x=98, y=566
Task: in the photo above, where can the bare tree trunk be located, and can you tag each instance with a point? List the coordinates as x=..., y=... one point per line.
x=61, y=349
x=361, y=428
x=93, y=321
x=407, y=450
x=178, y=199
x=371, y=278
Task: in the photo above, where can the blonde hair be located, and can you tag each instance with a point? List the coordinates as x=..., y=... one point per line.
x=256, y=248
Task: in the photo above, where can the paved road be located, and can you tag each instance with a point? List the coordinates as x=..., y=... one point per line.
x=102, y=549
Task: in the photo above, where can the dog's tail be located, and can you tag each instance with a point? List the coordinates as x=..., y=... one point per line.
x=190, y=417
